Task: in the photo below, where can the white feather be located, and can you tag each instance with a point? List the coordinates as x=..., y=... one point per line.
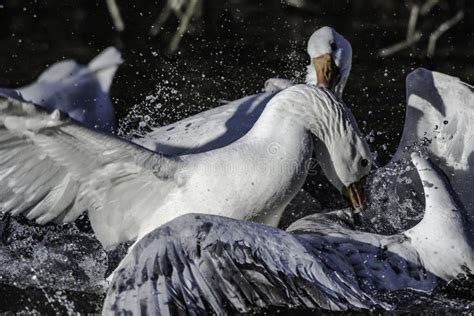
x=80, y=91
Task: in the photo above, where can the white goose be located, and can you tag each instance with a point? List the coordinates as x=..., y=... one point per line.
x=80, y=91
x=439, y=116
x=52, y=169
x=330, y=64
x=444, y=106
x=201, y=263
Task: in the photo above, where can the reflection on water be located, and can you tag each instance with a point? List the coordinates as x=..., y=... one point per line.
x=229, y=51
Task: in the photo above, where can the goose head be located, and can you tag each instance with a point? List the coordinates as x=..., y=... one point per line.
x=330, y=60
x=341, y=149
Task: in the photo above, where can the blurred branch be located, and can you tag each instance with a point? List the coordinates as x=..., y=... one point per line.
x=400, y=46
x=170, y=6
x=414, y=36
x=415, y=11
x=184, y=10
x=156, y=27
x=115, y=14
x=441, y=30
x=183, y=26
x=426, y=8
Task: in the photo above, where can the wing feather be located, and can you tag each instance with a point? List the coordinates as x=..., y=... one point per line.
x=53, y=169
x=440, y=109
x=200, y=263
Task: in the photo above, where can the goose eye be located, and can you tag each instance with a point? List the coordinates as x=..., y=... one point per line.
x=364, y=162
x=333, y=46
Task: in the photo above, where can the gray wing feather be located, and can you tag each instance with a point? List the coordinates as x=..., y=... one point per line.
x=200, y=263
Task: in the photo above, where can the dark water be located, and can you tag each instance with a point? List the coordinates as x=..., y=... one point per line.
x=229, y=51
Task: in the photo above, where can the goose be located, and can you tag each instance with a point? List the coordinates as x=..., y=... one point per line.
x=78, y=90
x=447, y=107
x=438, y=120
x=201, y=263
x=66, y=86
x=330, y=56
x=330, y=64
x=52, y=169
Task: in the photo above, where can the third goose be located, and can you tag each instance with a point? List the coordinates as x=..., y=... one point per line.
x=81, y=91
x=439, y=114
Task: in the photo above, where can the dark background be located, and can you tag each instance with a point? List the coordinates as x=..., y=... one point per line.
x=230, y=49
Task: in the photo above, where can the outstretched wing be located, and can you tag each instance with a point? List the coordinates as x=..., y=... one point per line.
x=201, y=263
x=214, y=128
x=442, y=238
x=440, y=116
x=52, y=169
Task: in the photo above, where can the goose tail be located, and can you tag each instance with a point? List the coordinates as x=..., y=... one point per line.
x=442, y=238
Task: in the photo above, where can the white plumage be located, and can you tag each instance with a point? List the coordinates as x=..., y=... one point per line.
x=81, y=91
x=439, y=113
x=53, y=169
x=224, y=265
x=439, y=120
x=200, y=263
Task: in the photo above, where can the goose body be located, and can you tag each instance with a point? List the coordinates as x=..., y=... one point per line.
x=81, y=91
x=199, y=263
x=52, y=169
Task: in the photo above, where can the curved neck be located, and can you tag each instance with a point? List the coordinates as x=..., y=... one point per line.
x=311, y=77
x=299, y=110
x=277, y=122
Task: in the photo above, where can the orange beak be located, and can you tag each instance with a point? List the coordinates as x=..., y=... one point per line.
x=355, y=193
x=327, y=73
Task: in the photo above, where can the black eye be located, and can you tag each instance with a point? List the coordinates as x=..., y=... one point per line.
x=364, y=162
x=333, y=46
